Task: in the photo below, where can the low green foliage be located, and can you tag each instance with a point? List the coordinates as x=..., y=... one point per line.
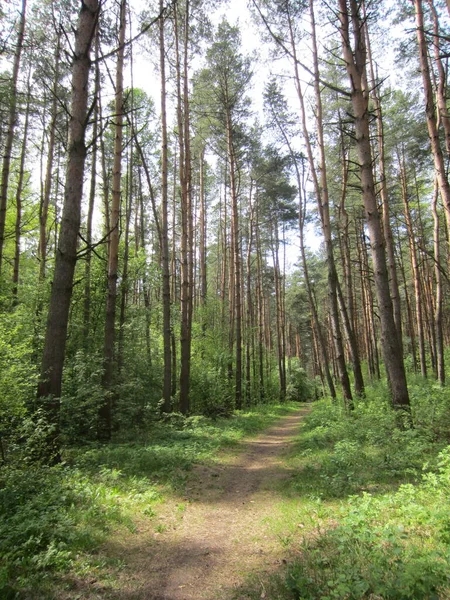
x=389, y=536
x=52, y=520
x=394, y=547
x=18, y=376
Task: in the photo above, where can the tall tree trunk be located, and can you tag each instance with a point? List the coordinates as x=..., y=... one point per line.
x=250, y=310
x=236, y=259
x=45, y=201
x=387, y=230
x=167, y=383
x=439, y=296
x=186, y=212
x=439, y=164
x=49, y=387
x=414, y=265
x=124, y=284
x=355, y=61
x=19, y=191
x=202, y=238
x=105, y=411
x=278, y=320
x=90, y=213
x=441, y=88
x=12, y=120
x=321, y=191
x=260, y=308
x=302, y=215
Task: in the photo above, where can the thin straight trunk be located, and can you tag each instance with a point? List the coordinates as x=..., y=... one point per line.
x=355, y=60
x=414, y=265
x=387, y=230
x=231, y=301
x=317, y=365
x=105, y=411
x=19, y=192
x=49, y=388
x=105, y=176
x=145, y=284
x=298, y=346
x=433, y=133
x=224, y=253
x=260, y=308
x=344, y=222
x=410, y=330
x=189, y=195
x=321, y=191
x=439, y=296
x=90, y=214
x=186, y=216
x=126, y=253
x=250, y=310
x=12, y=120
x=202, y=240
x=237, y=261
x=441, y=88
x=302, y=215
x=174, y=294
x=167, y=330
x=429, y=311
x=45, y=202
x=278, y=312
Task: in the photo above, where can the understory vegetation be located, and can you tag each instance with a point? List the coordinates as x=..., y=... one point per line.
x=53, y=520
x=364, y=514
x=367, y=515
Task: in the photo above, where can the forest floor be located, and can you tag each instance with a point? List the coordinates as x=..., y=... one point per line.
x=206, y=544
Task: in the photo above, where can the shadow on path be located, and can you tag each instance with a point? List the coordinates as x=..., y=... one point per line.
x=221, y=535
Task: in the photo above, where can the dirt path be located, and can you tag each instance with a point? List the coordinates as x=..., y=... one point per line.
x=207, y=545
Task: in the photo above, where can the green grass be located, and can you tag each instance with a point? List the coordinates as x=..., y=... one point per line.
x=54, y=520
x=366, y=514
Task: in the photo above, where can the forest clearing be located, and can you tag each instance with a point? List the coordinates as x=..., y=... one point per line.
x=224, y=300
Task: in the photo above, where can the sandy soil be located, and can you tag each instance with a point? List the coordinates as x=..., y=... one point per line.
x=207, y=545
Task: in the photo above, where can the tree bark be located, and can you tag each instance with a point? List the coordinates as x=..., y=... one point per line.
x=186, y=211
x=105, y=411
x=91, y=204
x=321, y=191
x=414, y=265
x=439, y=296
x=19, y=191
x=45, y=202
x=430, y=111
x=167, y=382
x=355, y=61
x=49, y=387
x=12, y=120
x=387, y=230
x=237, y=262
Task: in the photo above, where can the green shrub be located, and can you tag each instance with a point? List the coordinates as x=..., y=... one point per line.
x=392, y=547
x=299, y=387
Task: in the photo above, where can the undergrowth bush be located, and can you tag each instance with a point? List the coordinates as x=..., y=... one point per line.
x=346, y=452
x=392, y=547
x=390, y=538
x=49, y=519
x=53, y=519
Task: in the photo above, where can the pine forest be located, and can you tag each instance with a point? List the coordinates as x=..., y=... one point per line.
x=216, y=217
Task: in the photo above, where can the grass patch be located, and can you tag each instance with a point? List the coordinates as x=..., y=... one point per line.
x=53, y=521
x=366, y=512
